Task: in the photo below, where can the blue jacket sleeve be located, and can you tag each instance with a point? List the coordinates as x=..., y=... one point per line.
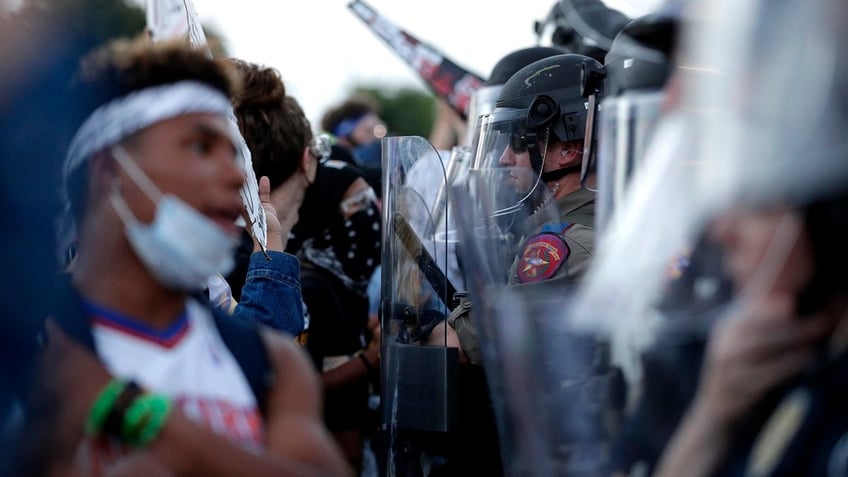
x=271, y=294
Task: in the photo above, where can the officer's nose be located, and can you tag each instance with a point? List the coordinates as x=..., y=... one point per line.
x=507, y=159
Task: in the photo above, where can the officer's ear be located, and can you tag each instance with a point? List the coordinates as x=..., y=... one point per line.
x=558, y=154
x=565, y=153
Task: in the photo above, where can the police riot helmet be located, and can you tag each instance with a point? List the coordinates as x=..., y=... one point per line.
x=594, y=25
x=483, y=100
x=638, y=66
x=514, y=61
x=641, y=54
x=553, y=99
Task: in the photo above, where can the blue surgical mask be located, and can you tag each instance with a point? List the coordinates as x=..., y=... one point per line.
x=181, y=247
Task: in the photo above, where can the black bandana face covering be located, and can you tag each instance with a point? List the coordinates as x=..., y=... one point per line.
x=356, y=242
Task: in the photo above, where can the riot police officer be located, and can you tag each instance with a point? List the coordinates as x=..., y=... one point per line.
x=526, y=218
x=540, y=139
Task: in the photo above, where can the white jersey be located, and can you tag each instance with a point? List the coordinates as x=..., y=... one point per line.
x=188, y=362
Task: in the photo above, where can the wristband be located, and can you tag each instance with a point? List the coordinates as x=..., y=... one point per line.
x=112, y=425
x=103, y=406
x=145, y=418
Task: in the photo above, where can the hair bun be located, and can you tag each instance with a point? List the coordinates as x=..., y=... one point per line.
x=260, y=87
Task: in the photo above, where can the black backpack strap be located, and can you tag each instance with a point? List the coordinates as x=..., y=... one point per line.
x=244, y=341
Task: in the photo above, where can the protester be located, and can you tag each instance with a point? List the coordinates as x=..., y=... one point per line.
x=357, y=128
x=285, y=155
x=769, y=398
x=356, y=125
x=338, y=243
x=324, y=201
x=191, y=388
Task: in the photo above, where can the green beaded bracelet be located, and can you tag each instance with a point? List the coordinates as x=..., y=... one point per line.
x=145, y=418
x=103, y=406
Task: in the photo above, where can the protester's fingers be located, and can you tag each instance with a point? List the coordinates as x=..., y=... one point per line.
x=760, y=329
x=777, y=370
x=264, y=190
x=800, y=334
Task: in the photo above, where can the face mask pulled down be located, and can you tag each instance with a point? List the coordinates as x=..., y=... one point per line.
x=181, y=248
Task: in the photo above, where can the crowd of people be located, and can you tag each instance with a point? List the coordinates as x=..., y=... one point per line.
x=630, y=263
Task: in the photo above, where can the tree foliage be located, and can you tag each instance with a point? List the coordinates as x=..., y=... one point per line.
x=407, y=111
x=104, y=20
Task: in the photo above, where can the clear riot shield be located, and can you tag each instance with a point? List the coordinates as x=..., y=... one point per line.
x=556, y=398
x=419, y=372
x=456, y=172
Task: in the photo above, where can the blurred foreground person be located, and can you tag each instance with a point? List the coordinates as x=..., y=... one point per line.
x=663, y=376
x=175, y=388
x=770, y=398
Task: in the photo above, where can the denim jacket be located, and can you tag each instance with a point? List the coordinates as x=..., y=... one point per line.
x=271, y=294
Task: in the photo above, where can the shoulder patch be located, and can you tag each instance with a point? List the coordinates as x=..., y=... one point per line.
x=542, y=256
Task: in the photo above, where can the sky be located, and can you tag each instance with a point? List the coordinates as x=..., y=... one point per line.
x=323, y=51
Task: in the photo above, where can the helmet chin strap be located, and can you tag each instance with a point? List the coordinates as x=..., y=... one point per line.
x=557, y=174
x=537, y=160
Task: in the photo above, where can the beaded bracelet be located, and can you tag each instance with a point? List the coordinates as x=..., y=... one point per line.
x=122, y=410
x=112, y=425
x=103, y=405
x=145, y=418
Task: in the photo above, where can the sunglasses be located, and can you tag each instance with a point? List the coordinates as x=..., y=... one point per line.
x=518, y=142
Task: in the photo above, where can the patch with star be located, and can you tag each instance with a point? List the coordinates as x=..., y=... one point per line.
x=543, y=255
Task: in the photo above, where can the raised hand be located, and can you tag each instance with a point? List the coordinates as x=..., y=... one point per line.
x=753, y=351
x=276, y=238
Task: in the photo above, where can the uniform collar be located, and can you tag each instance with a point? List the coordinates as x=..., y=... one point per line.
x=581, y=199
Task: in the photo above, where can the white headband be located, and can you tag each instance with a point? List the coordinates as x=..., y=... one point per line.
x=119, y=118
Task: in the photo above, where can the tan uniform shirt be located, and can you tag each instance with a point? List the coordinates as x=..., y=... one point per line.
x=558, y=251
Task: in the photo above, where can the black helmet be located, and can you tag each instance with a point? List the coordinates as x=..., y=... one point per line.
x=553, y=99
x=638, y=65
x=550, y=99
x=483, y=100
x=585, y=27
x=640, y=57
x=511, y=63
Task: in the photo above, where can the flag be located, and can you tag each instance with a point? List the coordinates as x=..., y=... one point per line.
x=446, y=79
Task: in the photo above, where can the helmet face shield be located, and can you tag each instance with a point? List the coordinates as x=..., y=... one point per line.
x=625, y=127
x=504, y=128
x=506, y=143
x=588, y=168
x=482, y=103
x=721, y=162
